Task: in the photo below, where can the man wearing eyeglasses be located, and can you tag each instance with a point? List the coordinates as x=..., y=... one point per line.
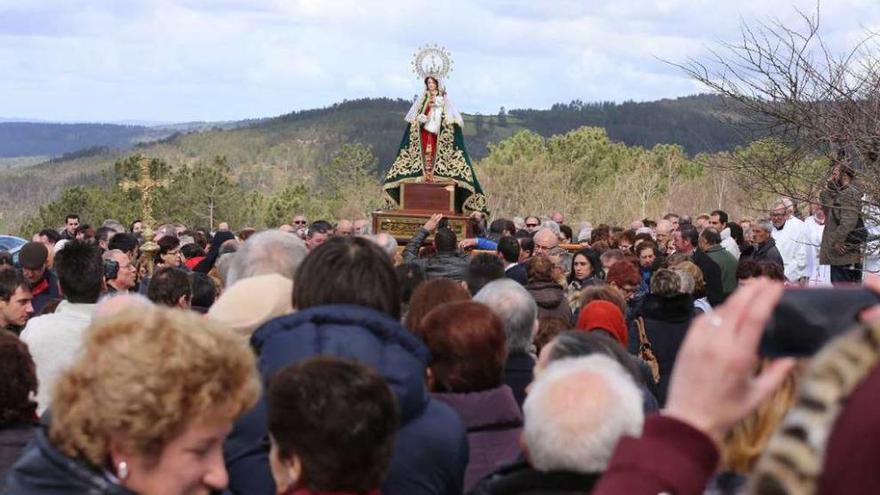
x=300, y=225
x=545, y=242
x=532, y=224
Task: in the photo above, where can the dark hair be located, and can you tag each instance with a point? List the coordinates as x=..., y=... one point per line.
x=10, y=280
x=192, y=250
x=467, y=344
x=19, y=381
x=711, y=236
x=670, y=216
x=527, y=244
x=6, y=259
x=339, y=418
x=689, y=233
x=86, y=230
x=509, y=249
x=566, y=231
x=736, y=232
x=80, y=271
x=104, y=234
x=124, y=242
x=409, y=276
x=428, y=296
x=131, y=227
x=445, y=240
x=347, y=270
x=721, y=214
x=502, y=226
x=168, y=285
x=166, y=244
x=202, y=238
x=71, y=215
x=204, y=291
x=603, y=293
x=436, y=82
x=592, y=258
x=600, y=233
x=746, y=269
x=319, y=227
x=577, y=343
x=753, y=269
x=649, y=223
x=482, y=269
x=50, y=234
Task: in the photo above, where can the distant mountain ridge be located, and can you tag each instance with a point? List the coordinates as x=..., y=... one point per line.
x=267, y=152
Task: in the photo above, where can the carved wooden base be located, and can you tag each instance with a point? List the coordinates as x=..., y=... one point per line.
x=403, y=224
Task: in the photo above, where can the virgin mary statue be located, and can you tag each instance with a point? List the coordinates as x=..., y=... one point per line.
x=433, y=150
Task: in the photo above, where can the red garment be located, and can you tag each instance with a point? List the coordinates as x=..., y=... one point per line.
x=42, y=286
x=428, y=139
x=853, y=447
x=671, y=457
x=192, y=262
x=604, y=315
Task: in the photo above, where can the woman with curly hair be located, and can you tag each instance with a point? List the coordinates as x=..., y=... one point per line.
x=144, y=409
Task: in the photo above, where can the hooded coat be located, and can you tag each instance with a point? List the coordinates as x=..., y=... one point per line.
x=551, y=300
x=431, y=448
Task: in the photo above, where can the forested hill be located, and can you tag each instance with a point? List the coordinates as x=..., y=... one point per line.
x=267, y=152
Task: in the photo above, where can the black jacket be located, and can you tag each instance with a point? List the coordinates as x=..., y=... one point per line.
x=666, y=323
x=520, y=478
x=518, y=374
x=449, y=265
x=764, y=252
x=712, y=276
x=44, y=470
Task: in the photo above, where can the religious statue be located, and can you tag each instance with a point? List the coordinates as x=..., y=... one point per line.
x=432, y=148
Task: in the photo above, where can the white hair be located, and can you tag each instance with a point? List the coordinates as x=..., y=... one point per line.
x=576, y=412
x=519, y=223
x=386, y=242
x=551, y=226
x=270, y=251
x=516, y=308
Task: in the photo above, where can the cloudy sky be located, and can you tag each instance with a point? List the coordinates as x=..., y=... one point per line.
x=183, y=60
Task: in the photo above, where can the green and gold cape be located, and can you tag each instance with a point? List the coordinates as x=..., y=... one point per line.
x=451, y=162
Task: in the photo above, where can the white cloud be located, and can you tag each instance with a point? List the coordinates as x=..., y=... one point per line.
x=228, y=59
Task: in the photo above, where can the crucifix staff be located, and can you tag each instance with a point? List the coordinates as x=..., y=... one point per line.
x=146, y=185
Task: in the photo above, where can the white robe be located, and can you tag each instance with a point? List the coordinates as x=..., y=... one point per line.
x=792, y=246
x=820, y=275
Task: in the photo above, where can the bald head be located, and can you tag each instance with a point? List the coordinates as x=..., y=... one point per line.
x=112, y=306
x=545, y=240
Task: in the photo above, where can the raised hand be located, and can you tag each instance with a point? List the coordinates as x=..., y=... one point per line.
x=431, y=224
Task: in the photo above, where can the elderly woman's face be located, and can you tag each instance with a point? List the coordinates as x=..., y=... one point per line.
x=190, y=464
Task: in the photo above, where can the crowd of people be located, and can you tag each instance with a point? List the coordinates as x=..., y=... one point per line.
x=532, y=358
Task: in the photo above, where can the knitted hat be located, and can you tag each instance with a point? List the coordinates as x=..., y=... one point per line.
x=604, y=315
x=33, y=255
x=250, y=302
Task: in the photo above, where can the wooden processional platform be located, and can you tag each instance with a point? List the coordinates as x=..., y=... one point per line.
x=418, y=201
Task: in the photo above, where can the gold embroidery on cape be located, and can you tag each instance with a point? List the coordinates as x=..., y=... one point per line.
x=448, y=161
x=476, y=202
x=409, y=161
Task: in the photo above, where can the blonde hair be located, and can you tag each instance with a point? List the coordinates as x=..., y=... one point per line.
x=747, y=439
x=142, y=377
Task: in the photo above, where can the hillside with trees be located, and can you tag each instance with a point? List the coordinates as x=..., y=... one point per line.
x=266, y=156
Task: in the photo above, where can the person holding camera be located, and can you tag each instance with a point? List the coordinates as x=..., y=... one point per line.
x=119, y=274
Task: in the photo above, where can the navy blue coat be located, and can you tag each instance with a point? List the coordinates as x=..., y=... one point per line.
x=44, y=470
x=431, y=449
